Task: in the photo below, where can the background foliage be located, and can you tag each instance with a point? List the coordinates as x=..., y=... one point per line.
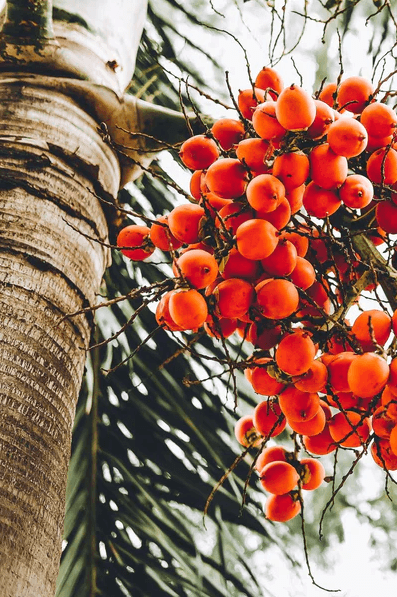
x=148, y=448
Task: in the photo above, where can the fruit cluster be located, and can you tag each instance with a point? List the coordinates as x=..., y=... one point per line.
x=269, y=248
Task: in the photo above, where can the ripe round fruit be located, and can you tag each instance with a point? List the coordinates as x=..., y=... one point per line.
x=138, y=238
x=279, y=477
x=347, y=137
x=379, y=120
x=269, y=421
x=367, y=375
x=198, y=267
x=184, y=222
x=314, y=473
x=248, y=101
x=256, y=239
x=292, y=169
x=270, y=454
x=372, y=324
x=233, y=297
x=228, y=132
x=357, y=191
x=295, y=108
x=281, y=508
x=265, y=122
x=295, y=353
x=246, y=433
x=348, y=429
x=262, y=382
x=161, y=235
x=199, y=152
x=265, y=192
x=320, y=202
x=188, y=309
x=277, y=299
x=382, y=166
x=299, y=406
x=269, y=78
x=227, y=178
x=327, y=169
x=354, y=94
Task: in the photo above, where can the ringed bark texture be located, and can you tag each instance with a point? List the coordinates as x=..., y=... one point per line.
x=53, y=163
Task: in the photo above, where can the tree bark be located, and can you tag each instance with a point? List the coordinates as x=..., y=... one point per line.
x=53, y=165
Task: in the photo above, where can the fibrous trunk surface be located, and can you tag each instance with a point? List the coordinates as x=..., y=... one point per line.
x=51, y=160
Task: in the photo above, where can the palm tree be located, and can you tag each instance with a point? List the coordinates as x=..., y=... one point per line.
x=147, y=448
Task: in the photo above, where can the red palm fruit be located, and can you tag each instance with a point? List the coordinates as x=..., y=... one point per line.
x=393, y=440
x=354, y=93
x=238, y=266
x=269, y=421
x=382, y=424
x=213, y=203
x=295, y=198
x=188, y=308
x=299, y=406
x=245, y=432
x=319, y=248
x=265, y=192
x=343, y=400
x=184, y=222
x=338, y=370
x=295, y=353
x=233, y=298
x=386, y=216
x=392, y=381
x=163, y=316
x=327, y=93
x=303, y=274
x=367, y=375
x=254, y=153
x=314, y=379
x=271, y=454
x=138, y=239
x=196, y=183
x=382, y=166
x=379, y=120
x=280, y=217
x=248, y=100
x=265, y=122
x=383, y=455
x=279, y=477
x=232, y=215
x=283, y=259
x=372, y=325
x=295, y=108
x=320, y=444
x=262, y=382
x=348, y=429
x=264, y=336
x=323, y=120
x=327, y=169
x=300, y=241
x=390, y=401
x=198, y=267
x=256, y=239
x=327, y=409
x=357, y=191
x=347, y=137
x=292, y=169
x=199, y=152
x=269, y=79
x=281, y=508
x=277, y=299
x=228, y=132
x=313, y=426
x=375, y=143
x=320, y=202
x=227, y=178
x=313, y=475
x=220, y=328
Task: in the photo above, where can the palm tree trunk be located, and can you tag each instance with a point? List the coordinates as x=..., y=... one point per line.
x=53, y=165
